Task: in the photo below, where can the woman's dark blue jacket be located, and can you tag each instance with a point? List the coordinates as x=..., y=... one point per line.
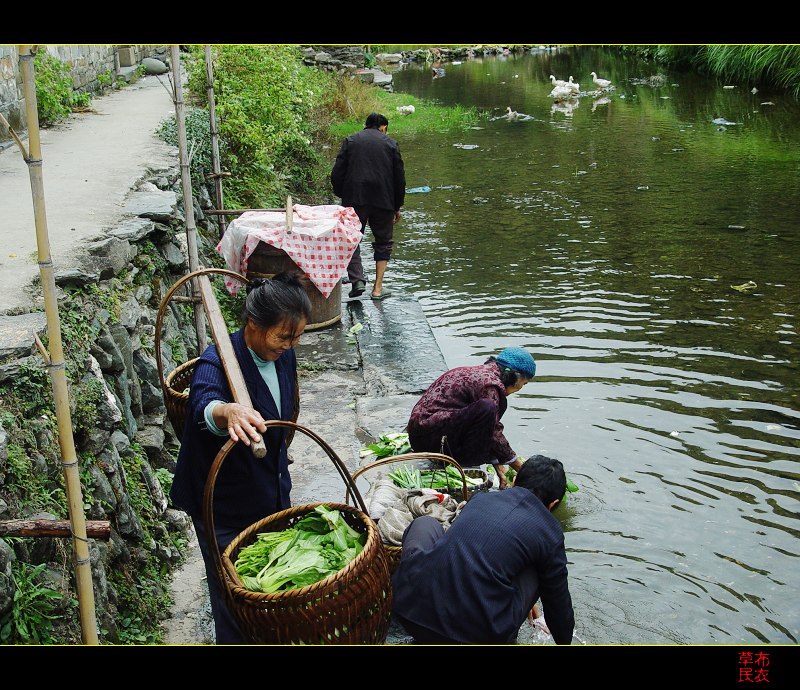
x=247, y=489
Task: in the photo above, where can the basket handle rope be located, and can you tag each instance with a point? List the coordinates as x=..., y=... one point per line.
x=208, y=493
x=407, y=457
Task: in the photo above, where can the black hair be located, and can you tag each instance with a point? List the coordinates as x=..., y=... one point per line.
x=544, y=477
x=509, y=377
x=375, y=120
x=272, y=301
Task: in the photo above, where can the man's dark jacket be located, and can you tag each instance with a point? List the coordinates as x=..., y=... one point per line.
x=369, y=171
x=462, y=587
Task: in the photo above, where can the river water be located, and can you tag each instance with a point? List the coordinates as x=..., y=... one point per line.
x=649, y=258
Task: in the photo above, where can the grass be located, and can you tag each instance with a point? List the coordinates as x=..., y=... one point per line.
x=778, y=65
x=427, y=116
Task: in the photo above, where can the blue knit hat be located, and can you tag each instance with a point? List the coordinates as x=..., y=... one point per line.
x=518, y=359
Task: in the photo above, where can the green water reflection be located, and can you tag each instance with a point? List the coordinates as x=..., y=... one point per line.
x=609, y=238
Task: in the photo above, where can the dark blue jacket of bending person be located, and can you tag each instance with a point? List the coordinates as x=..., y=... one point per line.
x=247, y=488
x=464, y=586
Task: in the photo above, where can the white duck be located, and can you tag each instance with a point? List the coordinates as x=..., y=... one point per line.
x=600, y=83
x=559, y=93
x=511, y=114
x=405, y=109
x=573, y=85
x=557, y=82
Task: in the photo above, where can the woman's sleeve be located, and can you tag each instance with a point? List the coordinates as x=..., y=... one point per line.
x=209, y=383
x=500, y=448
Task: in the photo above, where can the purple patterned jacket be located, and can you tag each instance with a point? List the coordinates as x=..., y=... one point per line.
x=453, y=391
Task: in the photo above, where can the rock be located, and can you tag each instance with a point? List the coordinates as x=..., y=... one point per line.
x=154, y=66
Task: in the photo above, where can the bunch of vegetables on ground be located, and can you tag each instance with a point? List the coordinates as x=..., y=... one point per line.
x=316, y=546
x=388, y=443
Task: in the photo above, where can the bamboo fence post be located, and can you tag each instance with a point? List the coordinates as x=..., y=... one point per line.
x=188, y=204
x=55, y=363
x=212, y=117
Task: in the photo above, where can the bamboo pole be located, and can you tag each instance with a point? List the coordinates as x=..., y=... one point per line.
x=188, y=204
x=55, y=364
x=212, y=117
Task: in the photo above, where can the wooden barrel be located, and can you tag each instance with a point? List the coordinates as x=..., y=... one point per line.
x=266, y=261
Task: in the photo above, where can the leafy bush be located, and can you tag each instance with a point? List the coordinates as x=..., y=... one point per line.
x=351, y=99
x=198, y=143
x=30, y=620
x=55, y=97
x=54, y=94
x=265, y=102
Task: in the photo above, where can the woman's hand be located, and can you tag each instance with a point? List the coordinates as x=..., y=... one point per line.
x=502, y=481
x=243, y=423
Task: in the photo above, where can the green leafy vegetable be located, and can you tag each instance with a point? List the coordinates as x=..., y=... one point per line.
x=316, y=546
x=387, y=444
x=407, y=477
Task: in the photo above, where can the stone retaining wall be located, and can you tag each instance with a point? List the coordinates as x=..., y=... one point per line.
x=117, y=289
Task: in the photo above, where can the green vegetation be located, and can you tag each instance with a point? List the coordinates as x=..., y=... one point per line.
x=428, y=116
x=55, y=98
x=777, y=65
x=104, y=79
x=316, y=546
x=30, y=620
x=268, y=125
x=198, y=142
x=87, y=395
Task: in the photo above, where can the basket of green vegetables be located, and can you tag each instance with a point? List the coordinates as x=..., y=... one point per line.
x=456, y=481
x=310, y=574
x=446, y=480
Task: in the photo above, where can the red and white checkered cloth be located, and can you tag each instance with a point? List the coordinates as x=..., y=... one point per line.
x=321, y=243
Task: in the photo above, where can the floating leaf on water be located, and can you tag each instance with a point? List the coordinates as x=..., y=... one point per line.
x=745, y=287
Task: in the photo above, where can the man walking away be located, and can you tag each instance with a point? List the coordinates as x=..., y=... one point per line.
x=369, y=175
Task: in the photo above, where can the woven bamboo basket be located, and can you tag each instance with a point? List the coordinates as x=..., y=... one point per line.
x=175, y=384
x=176, y=394
x=352, y=606
x=394, y=551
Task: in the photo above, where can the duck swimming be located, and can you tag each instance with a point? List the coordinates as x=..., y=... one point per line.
x=600, y=83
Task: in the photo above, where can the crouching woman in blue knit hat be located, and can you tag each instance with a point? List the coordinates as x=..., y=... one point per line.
x=459, y=415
